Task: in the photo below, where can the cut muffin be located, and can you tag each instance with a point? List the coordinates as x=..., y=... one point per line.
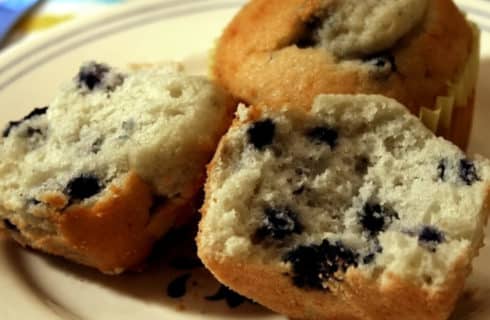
x=423, y=53
x=111, y=164
x=349, y=210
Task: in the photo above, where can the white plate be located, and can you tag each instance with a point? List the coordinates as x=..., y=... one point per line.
x=36, y=286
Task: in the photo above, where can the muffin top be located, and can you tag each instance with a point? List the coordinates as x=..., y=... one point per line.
x=279, y=52
x=356, y=28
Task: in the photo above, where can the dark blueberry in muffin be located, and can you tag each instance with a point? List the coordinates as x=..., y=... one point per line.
x=370, y=257
x=382, y=64
x=308, y=38
x=35, y=113
x=384, y=61
x=83, y=187
x=97, y=145
x=12, y=124
x=91, y=75
x=375, y=218
x=362, y=165
x=314, y=265
x=431, y=234
x=9, y=225
x=467, y=172
x=299, y=191
x=33, y=202
x=33, y=131
x=324, y=135
x=441, y=169
x=278, y=224
x=261, y=133
x=94, y=75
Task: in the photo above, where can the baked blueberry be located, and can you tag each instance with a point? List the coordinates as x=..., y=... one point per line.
x=12, y=124
x=467, y=172
x=299, y=191
x=324, y=135
x=376, y=218
x=370, y=257
x=362, y=165
x=384, y=62
x=314, y=265
x=9, y=225
x=261, y=133
x=95, y=75
x=83, y=187
x=278, y=224
x=33, y=131
x=91, y=75
x=309, y=37
x=441, y=169
x=97, y=145
x=430, y=234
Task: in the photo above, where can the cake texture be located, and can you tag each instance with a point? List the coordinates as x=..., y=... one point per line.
x=111, y=164
x=279, y=52
x=351, y=209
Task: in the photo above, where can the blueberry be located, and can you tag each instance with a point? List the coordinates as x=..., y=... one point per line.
x=467, y=172
x=97, y=145
x=12, y=124
x=314, y=265
x=430, y=237
x=441, y=169
x=9, y=225
x=299, y=191
x=308, y=38
x=324, y=135
x=32, y=131
x=83, y=187
x=370, y=257
x=261, y=133
x=361, y=165
x=91, y=75
x=431, y=234
x=94, y=75
x=33, y=202
x=376, y=218
x=278, y=224
x=384, y=62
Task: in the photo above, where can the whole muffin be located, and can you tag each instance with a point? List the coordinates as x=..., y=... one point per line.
x=351, y=210
x=423, y=53
x=111, y=164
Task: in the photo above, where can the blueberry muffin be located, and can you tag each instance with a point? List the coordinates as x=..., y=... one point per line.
x=349, y=210
x=111, y=164
x=423, y=53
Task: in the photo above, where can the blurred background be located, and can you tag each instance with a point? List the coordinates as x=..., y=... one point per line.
x=42, y=15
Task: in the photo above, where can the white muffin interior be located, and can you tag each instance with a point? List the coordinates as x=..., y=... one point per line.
x=356, y=175
x=155, y=121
